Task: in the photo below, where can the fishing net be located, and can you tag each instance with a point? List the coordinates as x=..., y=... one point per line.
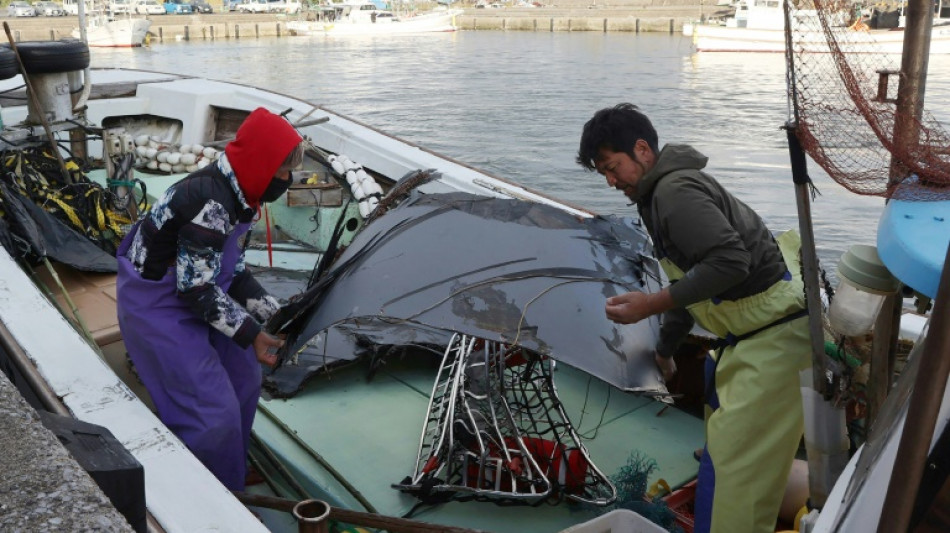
x=843, y=76
x=82, y=204
x=495, y=430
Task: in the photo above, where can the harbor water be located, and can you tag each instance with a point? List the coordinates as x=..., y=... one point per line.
x=514, y=103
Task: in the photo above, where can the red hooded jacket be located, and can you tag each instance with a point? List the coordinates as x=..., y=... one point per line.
x=263, y=142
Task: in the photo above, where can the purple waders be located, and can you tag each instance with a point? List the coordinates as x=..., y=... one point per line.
x=204, y=386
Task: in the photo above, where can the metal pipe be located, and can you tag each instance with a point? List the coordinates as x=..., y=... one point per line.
x=913, y=80
x=809, y=261
x=922, y=411
x=312, y=516
x=827, y=459
x=357, y=518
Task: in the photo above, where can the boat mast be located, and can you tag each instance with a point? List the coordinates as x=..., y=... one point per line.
x=81, y=11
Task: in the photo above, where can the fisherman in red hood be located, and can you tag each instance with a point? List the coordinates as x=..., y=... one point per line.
x=189, y=311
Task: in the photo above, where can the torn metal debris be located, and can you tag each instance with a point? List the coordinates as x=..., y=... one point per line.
x=510, y=271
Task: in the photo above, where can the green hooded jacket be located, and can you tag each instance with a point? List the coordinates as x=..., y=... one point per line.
x=720, y=243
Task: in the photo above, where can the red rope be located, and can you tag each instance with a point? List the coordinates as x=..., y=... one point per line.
x=270, y=250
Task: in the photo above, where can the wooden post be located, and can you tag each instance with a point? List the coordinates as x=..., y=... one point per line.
x=883, y=355
x=187, y=33
x=257, y=31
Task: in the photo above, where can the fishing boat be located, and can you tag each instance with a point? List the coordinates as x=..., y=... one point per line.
x=366, y=18
x=101, y=30
x=759, y=26
x=353, y=412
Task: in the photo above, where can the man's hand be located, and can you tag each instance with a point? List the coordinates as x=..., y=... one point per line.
x=666, y=365
x=263, y=344
x=632, y=307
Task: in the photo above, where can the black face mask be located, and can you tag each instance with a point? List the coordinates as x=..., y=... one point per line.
x=274, y=189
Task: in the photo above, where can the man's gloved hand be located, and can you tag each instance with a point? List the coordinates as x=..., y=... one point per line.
x=666, y=365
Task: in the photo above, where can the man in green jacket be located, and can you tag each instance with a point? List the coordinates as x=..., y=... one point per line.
x=728, y=274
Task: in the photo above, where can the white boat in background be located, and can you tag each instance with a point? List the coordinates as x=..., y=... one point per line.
x=759, y=26
x=365, y=18
x=124, y=32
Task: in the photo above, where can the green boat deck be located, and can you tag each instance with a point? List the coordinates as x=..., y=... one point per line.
x=369, y=431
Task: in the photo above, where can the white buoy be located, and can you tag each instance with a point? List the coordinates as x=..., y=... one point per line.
x=191, y=168
x=164, y=167
x=152, y=165
x=174, y=158
x=185, y=149
x=337, y=166
x=151, y=152
x=188, y=158
x=141, y=151
x=364, y=209
x=178, y=168
x=162, y=157
x=202, y=163
x=141, y=140
x=197, y=149
x=209, y=152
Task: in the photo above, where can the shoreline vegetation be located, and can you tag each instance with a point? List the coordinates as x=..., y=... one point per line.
x=657, y=16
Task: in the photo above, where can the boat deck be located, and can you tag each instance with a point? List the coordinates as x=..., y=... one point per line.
x=369, y=431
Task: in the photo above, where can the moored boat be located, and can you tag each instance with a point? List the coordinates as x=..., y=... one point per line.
x=101, y=30
x=759, y=26
x=365, y=18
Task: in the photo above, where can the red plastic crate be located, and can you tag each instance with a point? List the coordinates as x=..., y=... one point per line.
x=681, y=503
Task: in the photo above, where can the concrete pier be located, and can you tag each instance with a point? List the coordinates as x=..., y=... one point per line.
x=636, y=16
x=42, y=487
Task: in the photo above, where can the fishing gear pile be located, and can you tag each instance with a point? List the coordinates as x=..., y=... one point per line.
x=45, y=209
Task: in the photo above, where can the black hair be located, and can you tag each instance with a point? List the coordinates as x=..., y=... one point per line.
x=618, y=129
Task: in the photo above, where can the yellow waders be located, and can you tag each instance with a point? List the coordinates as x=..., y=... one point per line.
x=754, y=431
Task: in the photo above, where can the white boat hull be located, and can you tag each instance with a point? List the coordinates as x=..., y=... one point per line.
x=118, y=33
x=726, y=39
x=427, y=23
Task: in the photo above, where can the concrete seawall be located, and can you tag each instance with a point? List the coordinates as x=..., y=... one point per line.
x=643, y=18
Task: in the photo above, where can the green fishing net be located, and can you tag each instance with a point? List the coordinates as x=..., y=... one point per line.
x=632, y=482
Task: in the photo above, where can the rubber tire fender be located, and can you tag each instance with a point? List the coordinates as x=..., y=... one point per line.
x=50, y=57
x=8, y=63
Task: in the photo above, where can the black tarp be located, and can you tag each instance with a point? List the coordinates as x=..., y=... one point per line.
x=42, y=235
x=505, y=270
